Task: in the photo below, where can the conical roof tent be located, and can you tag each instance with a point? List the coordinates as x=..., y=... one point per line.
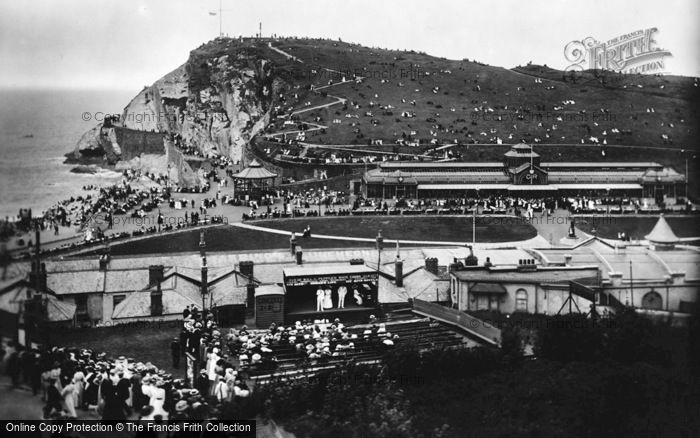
x=662, y=233
x=255, y=171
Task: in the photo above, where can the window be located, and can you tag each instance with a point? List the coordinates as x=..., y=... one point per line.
x=652, y=300
x=521, y=300
x=116, y=299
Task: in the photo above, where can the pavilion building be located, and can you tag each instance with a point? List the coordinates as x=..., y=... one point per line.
x=522, y=173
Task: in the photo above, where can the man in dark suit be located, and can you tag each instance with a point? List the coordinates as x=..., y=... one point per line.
x=123, y=393
x=175, y=351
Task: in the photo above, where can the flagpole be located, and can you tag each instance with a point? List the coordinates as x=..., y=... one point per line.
x=474, y=225
x=220, y=19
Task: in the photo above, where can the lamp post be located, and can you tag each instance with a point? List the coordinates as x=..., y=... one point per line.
x=532, y=170
x=631, y=285
x=474, y=226
x=204, y=278
x=380, y=246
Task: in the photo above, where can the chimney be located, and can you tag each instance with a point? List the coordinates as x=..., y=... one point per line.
x=398, y=272
x=43, y=288
x=431, y=265
x=157, y=301
x=250, y=296
x=678, y=278
x=615, y=278
x=247, y=268
x=37, y=248
x=456, y=266
x=527, y=265
x=567, y=259
x=471, y=259
x=155, y=273
x=300, y=254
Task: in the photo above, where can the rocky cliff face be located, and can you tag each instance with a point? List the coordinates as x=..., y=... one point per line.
x=216, y=102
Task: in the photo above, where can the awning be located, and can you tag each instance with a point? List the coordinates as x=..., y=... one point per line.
x=602, y=186
x=532, y=187
x=269, y=289
x=461, y=186
x=487, y=288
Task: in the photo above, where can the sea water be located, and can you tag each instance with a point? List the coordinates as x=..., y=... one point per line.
x=37, y=129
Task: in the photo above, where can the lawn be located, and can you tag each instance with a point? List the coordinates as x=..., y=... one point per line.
x=636, y=227
x=219, y=238
x=144, y=341
x=431, y=228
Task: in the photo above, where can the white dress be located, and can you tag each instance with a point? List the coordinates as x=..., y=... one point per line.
x=70, y=394
x=358, y=297
x=157, y=400
x=328, y=300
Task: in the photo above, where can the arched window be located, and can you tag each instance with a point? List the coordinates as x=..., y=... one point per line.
x=521, y=300
x=652, y=300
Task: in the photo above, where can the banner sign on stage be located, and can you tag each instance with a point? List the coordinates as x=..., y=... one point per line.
x=331, y=279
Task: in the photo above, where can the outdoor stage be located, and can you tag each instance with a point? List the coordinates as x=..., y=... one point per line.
x=302, y=283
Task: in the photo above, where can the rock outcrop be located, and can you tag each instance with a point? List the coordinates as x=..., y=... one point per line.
x=215, y=103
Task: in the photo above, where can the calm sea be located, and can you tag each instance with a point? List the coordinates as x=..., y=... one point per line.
x=37, y=128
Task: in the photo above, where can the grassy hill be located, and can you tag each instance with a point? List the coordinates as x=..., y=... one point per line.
x=459, y=96
x=461, y=100
x=417, y=99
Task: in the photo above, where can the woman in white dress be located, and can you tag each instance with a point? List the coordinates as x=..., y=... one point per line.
x=69, y=394
x=357, y=296
x=212, y=359
x=158, y=400
x=328, y=300
x=79, y=381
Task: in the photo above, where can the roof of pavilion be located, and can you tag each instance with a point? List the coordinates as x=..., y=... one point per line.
x=255, y=171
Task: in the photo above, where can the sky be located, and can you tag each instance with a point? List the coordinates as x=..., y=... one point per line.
x=125, y=45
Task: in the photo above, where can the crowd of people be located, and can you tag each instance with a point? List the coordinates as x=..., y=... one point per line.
x=85, y=383
x=82, y=383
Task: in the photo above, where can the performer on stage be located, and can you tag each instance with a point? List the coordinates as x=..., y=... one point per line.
x=320, y=294
x=328, y=301
x=342, y=291
x=357, y=296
